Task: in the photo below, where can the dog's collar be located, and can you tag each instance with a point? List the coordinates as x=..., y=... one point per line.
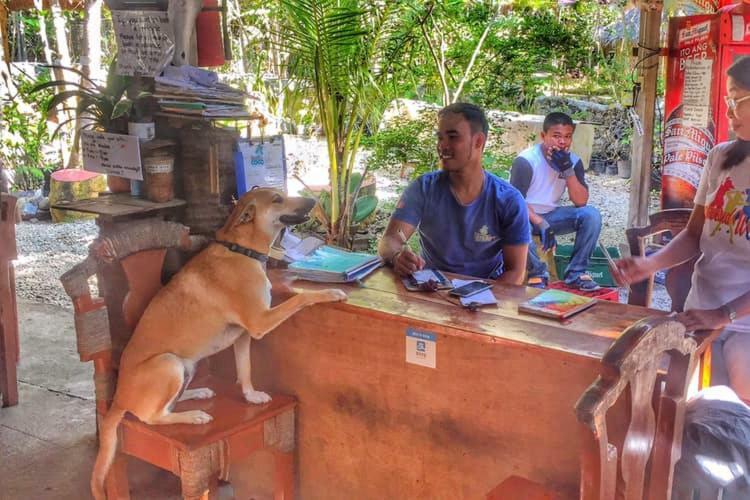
x=234, y=247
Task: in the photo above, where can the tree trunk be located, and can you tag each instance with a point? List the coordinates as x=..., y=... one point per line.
x=91, y=53
x=62, y=57
x=6, y=83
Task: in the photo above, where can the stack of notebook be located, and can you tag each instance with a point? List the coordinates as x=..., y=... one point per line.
x=310, y=259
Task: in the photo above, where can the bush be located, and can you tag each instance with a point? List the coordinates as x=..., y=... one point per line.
x=24, y=136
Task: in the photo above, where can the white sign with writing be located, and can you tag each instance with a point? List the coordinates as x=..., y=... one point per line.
x=115, y=154
x=421, y=348
x=696, y=92
x=145, y=41
x=261, y=164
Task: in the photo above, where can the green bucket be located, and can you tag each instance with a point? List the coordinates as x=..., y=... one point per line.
x=598, y=267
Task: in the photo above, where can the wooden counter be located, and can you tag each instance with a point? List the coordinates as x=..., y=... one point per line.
x=498, y=402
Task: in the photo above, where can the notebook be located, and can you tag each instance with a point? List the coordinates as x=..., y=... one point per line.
x=556, y=304
x=334, y=265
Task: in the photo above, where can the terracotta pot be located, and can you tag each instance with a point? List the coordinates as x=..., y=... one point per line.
x=118, y=184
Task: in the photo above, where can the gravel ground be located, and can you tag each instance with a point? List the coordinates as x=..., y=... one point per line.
x=46, y=250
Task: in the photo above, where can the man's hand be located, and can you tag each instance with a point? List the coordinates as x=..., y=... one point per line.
x=547, y=235
x=560, y=161
x=406, y=262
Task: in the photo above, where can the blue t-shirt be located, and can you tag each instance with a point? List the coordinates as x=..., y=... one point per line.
x=465, y=239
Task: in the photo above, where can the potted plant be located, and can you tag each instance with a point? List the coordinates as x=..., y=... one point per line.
x=103, y=108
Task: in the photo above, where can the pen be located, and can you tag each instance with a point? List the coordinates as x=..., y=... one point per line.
x=611, y=261
x=403, y=239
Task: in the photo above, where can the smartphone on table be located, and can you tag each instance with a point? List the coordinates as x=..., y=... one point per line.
x=470, y=289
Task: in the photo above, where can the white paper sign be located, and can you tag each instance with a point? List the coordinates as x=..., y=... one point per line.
x=145, y=42
x=421, y=348
x=738, y=28
x=115, y=154
x=696, y=92
x=261, y=164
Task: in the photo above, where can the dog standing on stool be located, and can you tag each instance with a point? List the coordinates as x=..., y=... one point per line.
x=221, y=297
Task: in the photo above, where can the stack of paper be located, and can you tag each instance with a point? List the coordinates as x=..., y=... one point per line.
x=215, y=100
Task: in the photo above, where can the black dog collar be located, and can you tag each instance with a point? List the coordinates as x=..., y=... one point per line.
x=260, y=257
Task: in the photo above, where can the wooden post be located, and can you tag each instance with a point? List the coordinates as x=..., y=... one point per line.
x=643, y=145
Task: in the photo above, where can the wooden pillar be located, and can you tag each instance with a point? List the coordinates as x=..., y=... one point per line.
x=643, y=145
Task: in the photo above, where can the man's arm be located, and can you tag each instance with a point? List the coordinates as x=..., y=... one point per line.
x=394, y=250
x=514, y=264
x=521, y=174
x=578, y=191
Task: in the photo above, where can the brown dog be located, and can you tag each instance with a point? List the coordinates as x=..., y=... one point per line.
x=222, y=297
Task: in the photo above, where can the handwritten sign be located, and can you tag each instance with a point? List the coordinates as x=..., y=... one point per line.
x=697, y=92
x=145, y=42
x=115, y=154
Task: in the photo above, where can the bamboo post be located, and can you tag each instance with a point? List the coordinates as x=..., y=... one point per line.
x=643, y=145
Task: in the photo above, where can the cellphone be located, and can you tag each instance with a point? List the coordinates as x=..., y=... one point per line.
x=470, y=289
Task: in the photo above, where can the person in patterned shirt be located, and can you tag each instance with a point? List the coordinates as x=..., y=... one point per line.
x=719, y=232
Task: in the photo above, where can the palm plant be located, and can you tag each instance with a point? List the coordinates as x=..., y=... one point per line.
x=346, y=51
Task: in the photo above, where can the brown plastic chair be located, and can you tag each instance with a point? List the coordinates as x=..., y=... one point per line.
x=643, y=466
x=9, y=342
x=131, y=260
x=665, y=223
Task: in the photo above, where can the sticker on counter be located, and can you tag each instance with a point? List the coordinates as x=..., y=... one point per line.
x=421, y=348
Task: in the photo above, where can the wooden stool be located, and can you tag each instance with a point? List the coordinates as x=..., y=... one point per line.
x=548, y=257
x=200, y=455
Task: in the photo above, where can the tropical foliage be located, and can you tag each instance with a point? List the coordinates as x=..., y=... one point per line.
x=347, y=52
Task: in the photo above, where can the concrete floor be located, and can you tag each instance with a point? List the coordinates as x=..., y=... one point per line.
x=47, y=442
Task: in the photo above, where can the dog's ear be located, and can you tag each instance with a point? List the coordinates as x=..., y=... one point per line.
x=247, y=215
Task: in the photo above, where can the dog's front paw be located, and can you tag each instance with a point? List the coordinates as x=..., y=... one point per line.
x=256, y=397
x=332, y=295
x=197, y=417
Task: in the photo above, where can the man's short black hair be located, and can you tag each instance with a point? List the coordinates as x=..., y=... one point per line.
x=557, y=118
x=472, y=113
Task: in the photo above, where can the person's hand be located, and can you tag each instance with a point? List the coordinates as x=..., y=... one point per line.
x=631, y=270
x=560, y=160
x=547, y=235
x=704, y=319
x=406, y=262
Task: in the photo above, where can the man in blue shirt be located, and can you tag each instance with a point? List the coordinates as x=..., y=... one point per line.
x=470, y=222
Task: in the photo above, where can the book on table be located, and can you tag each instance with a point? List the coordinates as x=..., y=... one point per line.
x=332, y=265
x=556, y=304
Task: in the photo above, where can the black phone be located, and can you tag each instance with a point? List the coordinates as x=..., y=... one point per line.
x=470, y=289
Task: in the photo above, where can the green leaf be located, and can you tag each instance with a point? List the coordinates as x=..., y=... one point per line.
x=122, y=108
x=364, y=207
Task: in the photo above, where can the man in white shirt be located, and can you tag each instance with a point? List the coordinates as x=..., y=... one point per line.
x=542, y=173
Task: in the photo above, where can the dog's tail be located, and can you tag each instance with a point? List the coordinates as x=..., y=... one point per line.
x=107, y=450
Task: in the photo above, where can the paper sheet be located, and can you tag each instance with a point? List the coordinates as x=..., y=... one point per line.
x=482, y=298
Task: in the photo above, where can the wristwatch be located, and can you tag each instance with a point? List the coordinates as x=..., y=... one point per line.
x=730, y=312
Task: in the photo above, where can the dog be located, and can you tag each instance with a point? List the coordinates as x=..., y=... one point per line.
x=221, y=297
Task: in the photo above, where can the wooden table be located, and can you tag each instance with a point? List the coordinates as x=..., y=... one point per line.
x=498, y=402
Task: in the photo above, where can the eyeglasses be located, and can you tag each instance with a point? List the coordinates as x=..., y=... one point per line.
x=732, y=103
